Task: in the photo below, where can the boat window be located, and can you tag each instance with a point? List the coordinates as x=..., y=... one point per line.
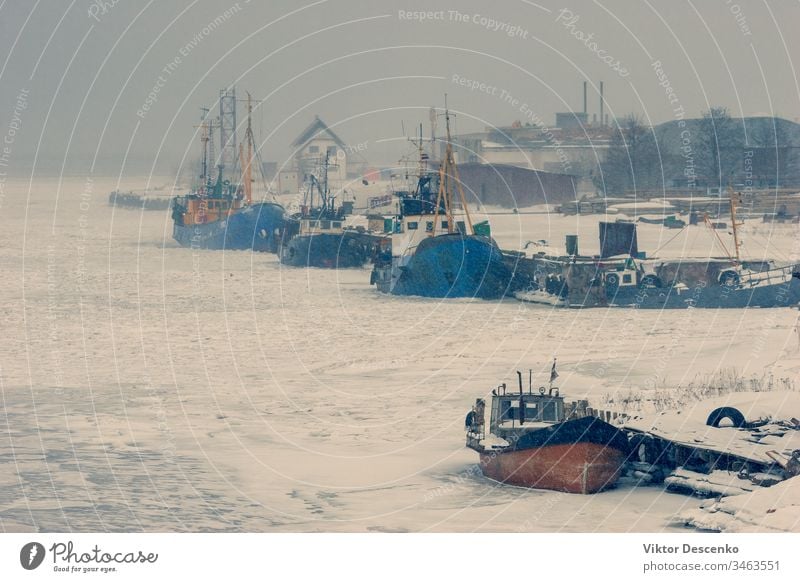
x=325, y=224
x=444, y=224
x=626, y=279
x=550, y=411
x=412, y=226
x=429, y=226
x=531, y=413
x=337, y=225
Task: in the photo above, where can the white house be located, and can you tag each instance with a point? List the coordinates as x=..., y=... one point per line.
x=310, y=148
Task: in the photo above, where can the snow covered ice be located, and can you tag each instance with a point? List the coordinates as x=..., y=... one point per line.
x=147, y=387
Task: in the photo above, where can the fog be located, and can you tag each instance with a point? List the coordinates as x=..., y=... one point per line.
x=115, y=87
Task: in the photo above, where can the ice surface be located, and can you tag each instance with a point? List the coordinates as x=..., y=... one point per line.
x=150, y=387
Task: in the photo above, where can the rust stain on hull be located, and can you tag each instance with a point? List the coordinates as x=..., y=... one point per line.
x=572, y=468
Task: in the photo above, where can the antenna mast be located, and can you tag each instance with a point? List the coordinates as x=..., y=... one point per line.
x=423, y=157
x=227, y=128
x=204, y=137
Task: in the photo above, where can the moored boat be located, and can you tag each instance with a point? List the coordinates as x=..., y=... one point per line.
x=538, y=440
x=138, y=201
x=434, y=252
x=323, y=243
x=222, y=215
x=621, y=277
x=318, y=236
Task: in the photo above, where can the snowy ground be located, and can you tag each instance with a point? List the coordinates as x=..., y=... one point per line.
x=776, y=509
x=150, y=387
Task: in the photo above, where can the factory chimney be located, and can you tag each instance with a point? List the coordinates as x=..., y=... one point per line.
x=602, y=117
x=584, y=99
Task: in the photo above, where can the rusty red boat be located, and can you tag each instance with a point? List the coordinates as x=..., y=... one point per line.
x=538, y=440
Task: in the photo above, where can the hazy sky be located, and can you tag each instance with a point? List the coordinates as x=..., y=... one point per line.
x=76, y=76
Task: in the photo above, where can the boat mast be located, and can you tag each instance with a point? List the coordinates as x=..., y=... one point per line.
x=735, y=225
x=448, y=172
x=247, y=163
x=204, y=139
x=323, y=187
x=713, y=230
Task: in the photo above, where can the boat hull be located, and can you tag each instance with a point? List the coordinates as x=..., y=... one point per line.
x=327, y=251
x=454, y=266
x=256, y=227
x=784, y=294
x=576, y=456
x=781, y=289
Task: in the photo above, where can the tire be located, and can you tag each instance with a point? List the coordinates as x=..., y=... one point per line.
x=651, y=281
x=729, y=279
x=612, y=280
x=726, y=412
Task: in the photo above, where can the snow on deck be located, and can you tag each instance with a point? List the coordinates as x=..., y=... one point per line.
x=688, y=426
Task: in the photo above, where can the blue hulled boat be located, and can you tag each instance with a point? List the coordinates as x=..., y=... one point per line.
x=207, y=222
x=433, y=253
x=318, y=237
x=222, y=215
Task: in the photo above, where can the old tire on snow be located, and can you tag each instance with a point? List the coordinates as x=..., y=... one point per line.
x=726, y=412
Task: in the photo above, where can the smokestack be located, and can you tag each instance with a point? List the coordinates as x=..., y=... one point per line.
x=584, y=97
x=572, y=245
x=601, y=104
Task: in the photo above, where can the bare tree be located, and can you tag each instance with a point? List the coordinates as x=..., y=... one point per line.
x=632, y=162
x=721, y=141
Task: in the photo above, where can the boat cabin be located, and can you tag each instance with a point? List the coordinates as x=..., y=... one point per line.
x=512, y=412
x=417, y=220
x=309, y=226
x=209, y=203
x=192, y=209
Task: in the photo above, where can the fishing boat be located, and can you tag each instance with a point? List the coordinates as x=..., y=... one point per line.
x=220, y=214
x=537, y=439
x=434, y=252
x=621, y=277
x=318, y=235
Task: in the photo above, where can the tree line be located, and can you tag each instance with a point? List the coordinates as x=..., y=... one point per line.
x=711, y=152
